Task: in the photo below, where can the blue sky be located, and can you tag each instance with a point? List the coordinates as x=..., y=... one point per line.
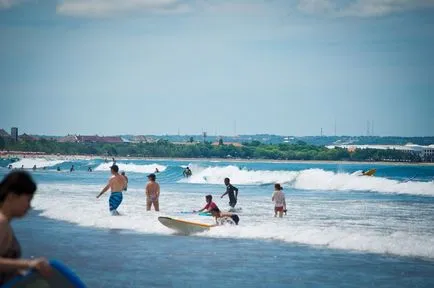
x=158, y=66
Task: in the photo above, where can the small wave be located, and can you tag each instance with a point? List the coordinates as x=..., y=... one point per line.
x=131, y=167
x=310, y=179
x=28, y=163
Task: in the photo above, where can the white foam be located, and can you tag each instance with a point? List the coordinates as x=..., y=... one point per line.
x=216, y=175
x=131, y=167
x=28, y=163
x=317, y=179
x=368, y=226
x=310, y=179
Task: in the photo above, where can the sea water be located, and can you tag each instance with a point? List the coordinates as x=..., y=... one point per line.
x=341, y=229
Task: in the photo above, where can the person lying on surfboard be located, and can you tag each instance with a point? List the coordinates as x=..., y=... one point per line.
x=224, y=217
x=209, y=204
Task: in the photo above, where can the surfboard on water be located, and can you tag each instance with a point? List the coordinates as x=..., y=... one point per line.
x=184, y=226
x=62, y=276
x=370, y=172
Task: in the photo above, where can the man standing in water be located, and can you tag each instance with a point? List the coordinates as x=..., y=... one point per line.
x=152, y=193
x=126, y=180
x=230, y=191
x=116, y=184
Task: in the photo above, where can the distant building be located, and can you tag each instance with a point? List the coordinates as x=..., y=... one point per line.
x=4, y=134
x=99, y=139
x=14, y=133
x=25, y=137
x=68, y=139
x=425, y=152
x=111, y=139
x=236, y=144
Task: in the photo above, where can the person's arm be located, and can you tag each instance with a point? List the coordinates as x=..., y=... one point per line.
x=224, y=193
x=272, y=196
x=40, y=264
x=147, y=190
x=236, y=192
x=158, y=190
x=104, y=190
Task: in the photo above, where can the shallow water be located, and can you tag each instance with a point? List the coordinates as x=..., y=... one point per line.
x=341, y=229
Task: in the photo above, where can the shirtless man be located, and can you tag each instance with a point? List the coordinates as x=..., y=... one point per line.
x=126, y=180
x=116, y=183
x=152, y=191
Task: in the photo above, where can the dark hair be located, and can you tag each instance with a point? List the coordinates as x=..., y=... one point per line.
x=227, y=179
x=277, y=186
x=215, y=209
x=115, y=168
x=152, y=176
x=208, y=197
x=18, y=183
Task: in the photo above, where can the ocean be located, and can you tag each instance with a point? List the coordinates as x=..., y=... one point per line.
x=341, y=229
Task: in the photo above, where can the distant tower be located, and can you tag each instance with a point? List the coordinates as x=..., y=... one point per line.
x=204, y=137
x=367, y=128
x=14, y=133
x=335, y=127
x=372, y=128
x=321, y=132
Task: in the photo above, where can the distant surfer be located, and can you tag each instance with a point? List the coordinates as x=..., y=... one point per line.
x=126, y=180
x=279, y=200
x=58, y=168
x=187, y=172
x=16, y=192
x=72, y=168
x=209, y=204
x=224, y=217
x=116, y=183
x=89, y=169
x=156, y=170
x=232, y=192
x=152, y=191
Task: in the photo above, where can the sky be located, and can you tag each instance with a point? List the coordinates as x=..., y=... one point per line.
x=227, y=67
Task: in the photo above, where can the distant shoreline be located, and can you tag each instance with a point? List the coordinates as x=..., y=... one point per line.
x=84, y=157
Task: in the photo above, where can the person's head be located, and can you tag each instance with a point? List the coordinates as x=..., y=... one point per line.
x=277, y=187
x=16, y=192
x=215, y=212
x=123, y=173
x=114, y=169
x=208, y=198
x=151, y=177
x=227, y=181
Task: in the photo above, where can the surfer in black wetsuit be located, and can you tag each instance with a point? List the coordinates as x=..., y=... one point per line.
x=232, y=192
x=224, y=217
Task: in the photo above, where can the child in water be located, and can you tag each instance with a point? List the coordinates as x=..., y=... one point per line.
x=279, y=200
x=224, y=217
x=209, y=204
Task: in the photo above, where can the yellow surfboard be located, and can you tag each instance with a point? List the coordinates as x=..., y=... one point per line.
x=370, y=172
x=184, y=226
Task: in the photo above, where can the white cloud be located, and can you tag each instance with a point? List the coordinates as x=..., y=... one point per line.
x=316, y=6
x=104, y=8
x=361, y=8
x=5, y=4
x=368, y=8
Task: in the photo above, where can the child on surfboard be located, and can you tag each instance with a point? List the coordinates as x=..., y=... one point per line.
x=209, y=204
x=224, y=217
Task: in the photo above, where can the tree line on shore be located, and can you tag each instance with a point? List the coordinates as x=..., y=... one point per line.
x=251, y=150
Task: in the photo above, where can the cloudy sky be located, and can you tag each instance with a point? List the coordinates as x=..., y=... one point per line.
x=223, y=66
